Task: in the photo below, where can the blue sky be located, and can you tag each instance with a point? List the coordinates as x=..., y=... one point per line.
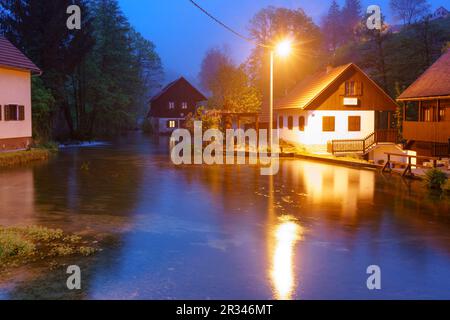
x=182, y=34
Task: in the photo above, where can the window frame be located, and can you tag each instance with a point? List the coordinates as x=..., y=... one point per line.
x=290, y=123
x=301, y=123
x=281, y=122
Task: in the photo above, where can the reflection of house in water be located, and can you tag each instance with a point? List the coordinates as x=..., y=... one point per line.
x=17, y=197
x=334, y=184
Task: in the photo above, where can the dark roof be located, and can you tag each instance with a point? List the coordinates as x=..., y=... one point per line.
x=434, y=82
x=11, y=57
x=171, y=84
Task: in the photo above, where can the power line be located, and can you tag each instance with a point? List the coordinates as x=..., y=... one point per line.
x=236, y=33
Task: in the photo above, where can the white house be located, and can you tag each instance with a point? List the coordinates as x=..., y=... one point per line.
x=15, y=97
x=340, y=110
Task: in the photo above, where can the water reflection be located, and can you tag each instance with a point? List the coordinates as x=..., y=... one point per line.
x=286, y=235
x=225, y=232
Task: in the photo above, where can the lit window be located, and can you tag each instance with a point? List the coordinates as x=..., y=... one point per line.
x=184, y=105
x=171, y=105
x=171, y=124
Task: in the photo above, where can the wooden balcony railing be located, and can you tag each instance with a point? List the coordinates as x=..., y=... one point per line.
x=363, y=145
x=438, y=132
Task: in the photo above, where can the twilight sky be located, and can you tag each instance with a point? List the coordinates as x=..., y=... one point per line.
x=183, y=34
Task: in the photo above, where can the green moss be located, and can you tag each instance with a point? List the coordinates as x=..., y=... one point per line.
x=20, y=245
x=435, y=178
x=9, y=159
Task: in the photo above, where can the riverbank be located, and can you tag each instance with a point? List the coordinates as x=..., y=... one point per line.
x=10, y=159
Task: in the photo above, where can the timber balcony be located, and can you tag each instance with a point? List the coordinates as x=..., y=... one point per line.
x=363, y=146
x=438, y=132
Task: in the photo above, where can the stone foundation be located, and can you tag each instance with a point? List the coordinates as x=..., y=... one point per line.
x=15, y=143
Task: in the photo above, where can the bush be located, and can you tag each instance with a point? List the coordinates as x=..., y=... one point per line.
x=147, y=126
x=435, y=178
x=446, y=186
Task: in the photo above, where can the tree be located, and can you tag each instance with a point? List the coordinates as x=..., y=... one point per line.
x=230, y=87
x=43, y=106
x=39, y=29
x=332, y=27
x=351, y=17
x=214, y=59
x=99, y=76
x=409, y=11
x=271, y=25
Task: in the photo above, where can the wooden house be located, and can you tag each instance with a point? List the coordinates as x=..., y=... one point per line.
x=170, y=107
x=426, y=105
x=340, y=110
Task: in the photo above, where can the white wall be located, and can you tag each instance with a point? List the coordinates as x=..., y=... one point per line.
x=15, y=88
x=313, y=134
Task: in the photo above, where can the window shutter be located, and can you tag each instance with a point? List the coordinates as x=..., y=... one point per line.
x=342, y=89
x=328, y=124
x=21, y=113
x=290, y=123
x=354, y=124
x=1, y=112
x=7, y=116
x=359, y=88
x=301, y=123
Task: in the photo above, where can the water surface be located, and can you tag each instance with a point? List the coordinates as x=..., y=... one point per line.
x=226, y=232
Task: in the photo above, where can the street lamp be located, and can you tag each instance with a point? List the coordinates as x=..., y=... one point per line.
x=282, y=49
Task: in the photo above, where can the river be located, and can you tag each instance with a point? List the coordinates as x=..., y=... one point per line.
x=226, y=232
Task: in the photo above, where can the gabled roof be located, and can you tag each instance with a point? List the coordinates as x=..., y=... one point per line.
x=435, y=82
x=305, y=92
x=13, y=58
x=310, y=89
x=171, y=84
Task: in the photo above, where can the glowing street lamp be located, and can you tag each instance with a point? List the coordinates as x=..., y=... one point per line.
x=283, y=49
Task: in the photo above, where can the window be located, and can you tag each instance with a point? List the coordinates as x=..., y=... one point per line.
x=281, y=122
x=353, y=88
x=171, y=124
x=354, y=124
x=427, y=114
x=328, y=124
x=184, y=105
x=301, y=123
x=290, y=123
x=171, y=105
x=441, y=114
x=350, y=88
x=14, y=112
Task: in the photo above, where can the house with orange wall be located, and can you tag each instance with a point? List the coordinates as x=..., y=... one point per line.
x=16, y=71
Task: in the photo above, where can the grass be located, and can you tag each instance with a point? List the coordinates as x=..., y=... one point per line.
x=22, y=245
x=10, y=159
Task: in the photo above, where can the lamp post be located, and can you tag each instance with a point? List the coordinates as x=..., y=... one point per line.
x=282, y=49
